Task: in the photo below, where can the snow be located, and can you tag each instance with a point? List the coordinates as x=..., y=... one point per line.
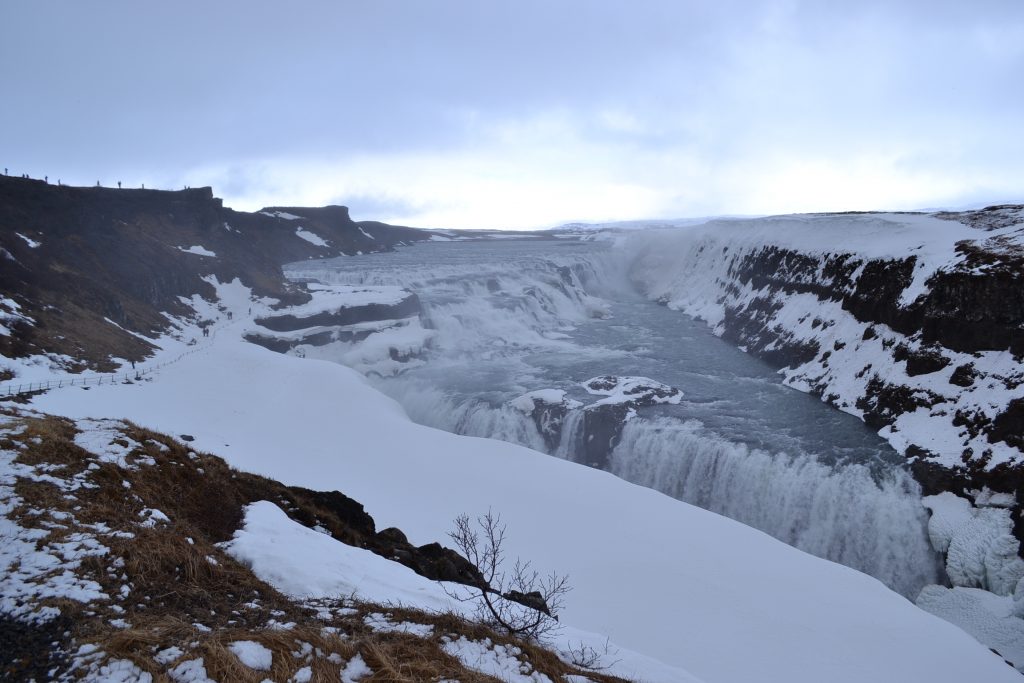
x=197, y=250
x=11, y=315
x=311, y=237
x=989, y=618
x=528, y=402
x=355, y=670
x=104, y=438
x=151, y=517
x=115, y=671
x=631, y=389
x=366, y=234
x=252, y=654
x=304, y=563
x=335, y=297
x=379, y=622
x=490, y=659
x=32, y=567
x=168, y=655
x=33, y=244
x=282, y=214
x=661, y=578
x=191, y=671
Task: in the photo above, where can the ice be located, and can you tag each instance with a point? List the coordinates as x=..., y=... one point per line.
x=981, y=551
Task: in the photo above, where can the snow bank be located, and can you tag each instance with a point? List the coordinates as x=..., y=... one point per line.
x=304, y=563
x=660, y=577
x=989, y=618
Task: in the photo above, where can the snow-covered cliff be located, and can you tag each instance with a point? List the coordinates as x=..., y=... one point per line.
x=913, y=322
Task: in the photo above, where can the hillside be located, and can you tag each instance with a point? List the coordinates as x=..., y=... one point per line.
x=87, y=270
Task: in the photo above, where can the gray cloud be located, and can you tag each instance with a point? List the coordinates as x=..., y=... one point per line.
x=691, y=101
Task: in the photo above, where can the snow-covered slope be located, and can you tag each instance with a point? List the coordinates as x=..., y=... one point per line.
x=665, y=579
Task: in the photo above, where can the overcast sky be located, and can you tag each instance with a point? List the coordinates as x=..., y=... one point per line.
x=524, y=114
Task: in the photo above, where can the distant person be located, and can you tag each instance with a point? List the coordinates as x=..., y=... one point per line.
x=46, y=179
x=143, y=186
x=119, y=184
x=97, y=183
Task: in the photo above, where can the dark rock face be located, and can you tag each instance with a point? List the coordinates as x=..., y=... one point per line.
x=549, y=418
x=117, y=254
x=925, y=362
x=602, y=428
x=348, y=521
x=964, y=375
x=31, y=652
x=883, y=402
x=1008, y=426
x=602, y=422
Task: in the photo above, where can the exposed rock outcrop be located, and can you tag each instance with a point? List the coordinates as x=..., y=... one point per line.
x=87, y=269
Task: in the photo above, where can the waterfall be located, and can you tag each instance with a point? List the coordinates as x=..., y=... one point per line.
x=510, y=319
x=872, y=522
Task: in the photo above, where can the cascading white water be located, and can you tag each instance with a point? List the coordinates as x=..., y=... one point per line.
x=515, y=317
x=874, y=523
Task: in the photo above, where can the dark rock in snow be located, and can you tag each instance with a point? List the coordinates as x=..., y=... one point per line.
x=963, y=375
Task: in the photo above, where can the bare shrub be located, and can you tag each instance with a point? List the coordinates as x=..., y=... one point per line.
x=521, y=601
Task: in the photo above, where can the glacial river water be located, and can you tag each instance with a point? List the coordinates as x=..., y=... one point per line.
x=514, y=316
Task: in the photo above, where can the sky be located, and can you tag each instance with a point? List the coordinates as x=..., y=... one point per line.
x=525, y=114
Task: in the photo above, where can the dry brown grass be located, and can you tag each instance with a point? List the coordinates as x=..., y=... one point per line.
x=179, y=598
